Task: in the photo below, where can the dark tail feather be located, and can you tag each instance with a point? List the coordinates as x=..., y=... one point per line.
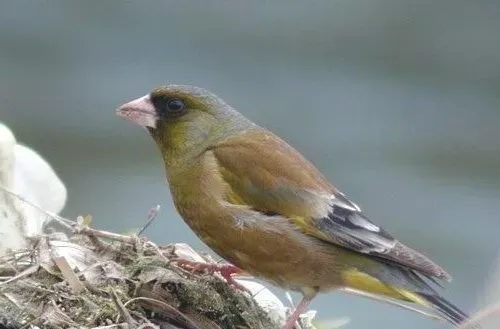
x=449, y=311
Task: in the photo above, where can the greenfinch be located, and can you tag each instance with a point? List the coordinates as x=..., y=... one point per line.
x=260, y=205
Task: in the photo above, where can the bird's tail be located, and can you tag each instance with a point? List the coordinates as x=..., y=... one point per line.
x=447, y=310
x=417, y=292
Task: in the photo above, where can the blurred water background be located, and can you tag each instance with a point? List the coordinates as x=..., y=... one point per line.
x=397, y=101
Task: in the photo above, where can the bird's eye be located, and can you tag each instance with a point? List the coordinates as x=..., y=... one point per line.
x=174, y=106
x=168, y=106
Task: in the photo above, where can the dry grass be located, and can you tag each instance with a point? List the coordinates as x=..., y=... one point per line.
x=126, y=282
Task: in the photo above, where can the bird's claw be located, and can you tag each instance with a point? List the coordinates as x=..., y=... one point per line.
x=225, y=270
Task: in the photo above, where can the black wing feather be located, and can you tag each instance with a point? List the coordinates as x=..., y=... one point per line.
x=347, y=226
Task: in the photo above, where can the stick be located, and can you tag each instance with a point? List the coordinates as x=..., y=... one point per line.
x=153, y=212
x=61, y=220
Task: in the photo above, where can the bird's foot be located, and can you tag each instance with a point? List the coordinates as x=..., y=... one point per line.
x=225, y=270
x=291, y=322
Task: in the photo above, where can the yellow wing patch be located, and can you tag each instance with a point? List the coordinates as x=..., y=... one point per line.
x=365, y=282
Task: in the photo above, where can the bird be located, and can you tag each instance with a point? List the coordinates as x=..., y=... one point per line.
x=263, y=207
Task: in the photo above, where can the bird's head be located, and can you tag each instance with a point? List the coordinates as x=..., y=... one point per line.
x=184, y=120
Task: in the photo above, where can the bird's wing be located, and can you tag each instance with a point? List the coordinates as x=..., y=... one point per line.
x=271, y=177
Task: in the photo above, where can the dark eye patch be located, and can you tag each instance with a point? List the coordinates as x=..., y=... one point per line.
x=168, y=106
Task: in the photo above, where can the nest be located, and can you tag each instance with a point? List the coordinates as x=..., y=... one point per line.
x=97, y=279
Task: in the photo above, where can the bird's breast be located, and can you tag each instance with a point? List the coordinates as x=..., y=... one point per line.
x=199, y=195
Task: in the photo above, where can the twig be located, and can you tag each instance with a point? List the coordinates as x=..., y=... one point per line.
x=63, y=317
x=86, y=230
x=85, y=222
x=164, y=305
x=7, y=268
x=159, y=252
x=12, y=299
x=92, y=233
x=15, y=257
x=114, y=326
x=30, y=270
x=93, y=266
x=153, y=212
x=29, y=323
x=148, y=325
x=119, y=237
x=28, y=283
x=123, y=310
x=61, y=220
x=69, y=275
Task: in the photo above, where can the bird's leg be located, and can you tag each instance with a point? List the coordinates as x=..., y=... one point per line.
x=225, y=270
x=292, y=319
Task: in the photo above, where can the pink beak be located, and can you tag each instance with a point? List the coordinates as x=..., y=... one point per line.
x=140, y=111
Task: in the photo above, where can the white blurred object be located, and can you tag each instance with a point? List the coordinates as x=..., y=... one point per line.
x=184, y=251
x=26, y=173
x=11, y=210
x=335, y=323
x=36, y=181
x=307, y=318
x=268, y=301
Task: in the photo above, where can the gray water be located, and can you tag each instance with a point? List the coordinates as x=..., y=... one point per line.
x=396, y=101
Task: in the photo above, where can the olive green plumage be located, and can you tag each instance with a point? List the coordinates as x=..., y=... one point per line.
x=262, y=206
